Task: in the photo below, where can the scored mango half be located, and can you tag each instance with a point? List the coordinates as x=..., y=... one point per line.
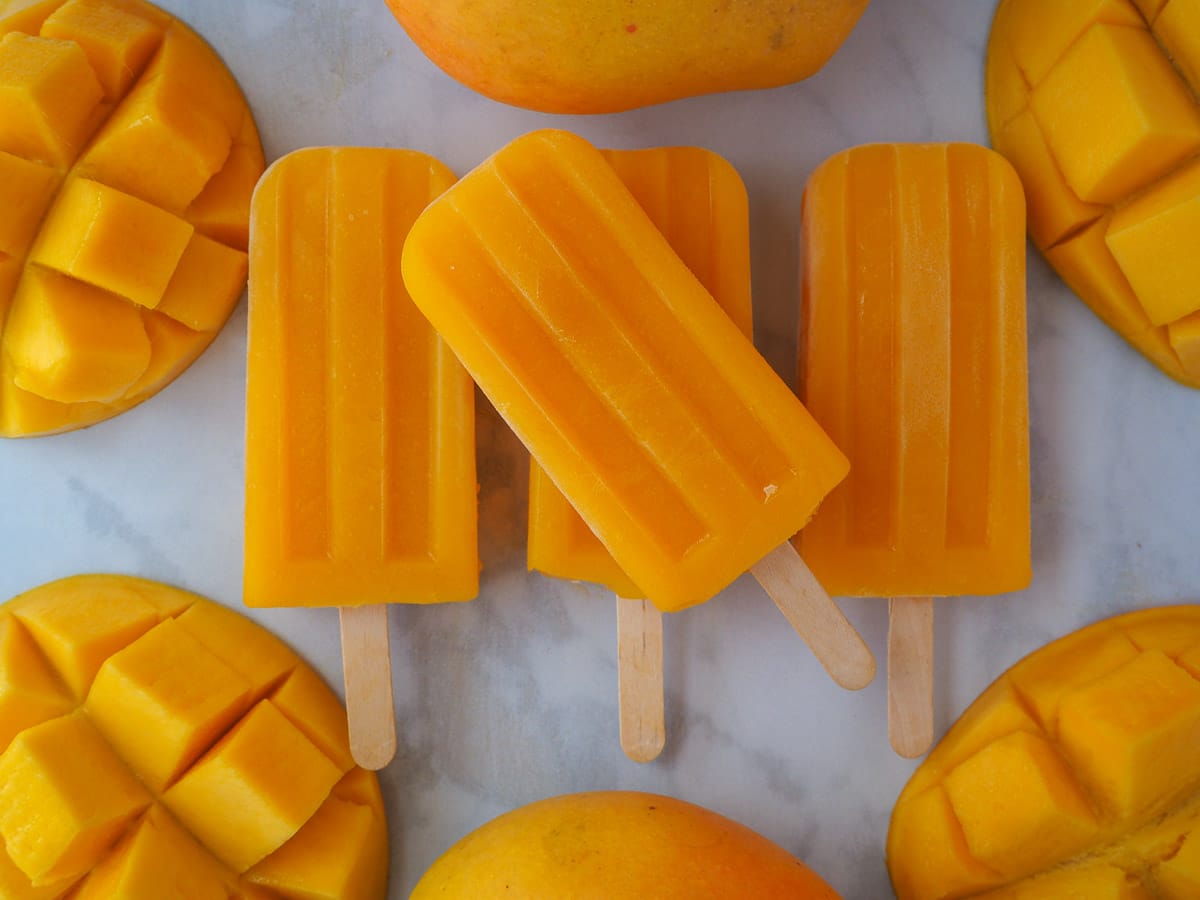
x=1094, y=102
x=127, y=159
x=155, y=744
x=1075, y=775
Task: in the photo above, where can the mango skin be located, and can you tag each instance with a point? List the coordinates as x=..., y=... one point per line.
x=602, y=56
x=617, y=845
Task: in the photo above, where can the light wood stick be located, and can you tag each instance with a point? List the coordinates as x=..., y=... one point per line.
x=640, y=679
x=367, y=669
x=816, y=618
x=910, y=675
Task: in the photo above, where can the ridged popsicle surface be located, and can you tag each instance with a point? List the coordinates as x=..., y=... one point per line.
x=698, y=201
x=360, y=452
x=913, y=357
x=646, y=406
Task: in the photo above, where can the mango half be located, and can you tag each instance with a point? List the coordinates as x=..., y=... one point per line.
x=1094, y=102
x=155, y=745
x=601, y=56
x=1075, y=775
x=127, y=159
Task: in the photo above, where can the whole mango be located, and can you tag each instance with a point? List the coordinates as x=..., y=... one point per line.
x=617, y=845
x=599, y=56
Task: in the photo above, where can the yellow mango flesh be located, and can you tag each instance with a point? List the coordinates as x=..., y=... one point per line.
x=127, y=159
x=599, y=56
x=155, y=744
x=1075, y=775
x=620, y=845
x=1094, y=103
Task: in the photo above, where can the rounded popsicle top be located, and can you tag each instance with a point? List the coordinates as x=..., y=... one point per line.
x=913, y=357
x=672, y=437
x=1095, y=105
x=1075, y=774
x=149, y=736
x=127, y=159
x=360, y=447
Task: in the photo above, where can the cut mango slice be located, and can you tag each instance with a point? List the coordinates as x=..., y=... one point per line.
x=127, y=159
x=154, y=744
x=1094, y=103
x=1092, y=794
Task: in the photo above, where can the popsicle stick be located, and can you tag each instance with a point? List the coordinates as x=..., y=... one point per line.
x=816, y=618
x=640, y=679
x=910, y=675
x=367, y=669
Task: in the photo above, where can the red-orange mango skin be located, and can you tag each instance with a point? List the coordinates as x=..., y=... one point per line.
x=602, y=56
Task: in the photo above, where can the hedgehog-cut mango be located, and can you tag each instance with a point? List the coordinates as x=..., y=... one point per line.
x=1075, y=774
x=156, y=744
x=1094, y=102
x=128, y=156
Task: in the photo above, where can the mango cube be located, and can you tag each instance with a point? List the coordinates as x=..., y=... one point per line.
x=312, y=707
x=1019, y=805
x=49, y=98
x=26, y=189
x=78, y=636
x=1178, y=28
x=254, y=653
x=1134, y=734
x=158, y=147
x=163, y=700
x=158, y=859
x=314, y=864
x=248, y=795
x=1115, y=113
x=206, y=284
x=112, y=240
x=30, y=692
x=1037, y=43
x=1042, y=679
x=73, y=343
x=1153, y=240
x=1053, y=209
x=222, y=211
x=930, y=839
x=65, y=797
x=173, y=347
x=118, y=43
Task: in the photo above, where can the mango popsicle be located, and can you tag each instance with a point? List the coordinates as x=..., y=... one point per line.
x=698, y=201
x=670, y=435
x=913, y=358
x=360, y=451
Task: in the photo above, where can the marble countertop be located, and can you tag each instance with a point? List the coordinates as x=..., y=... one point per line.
x=513, y=697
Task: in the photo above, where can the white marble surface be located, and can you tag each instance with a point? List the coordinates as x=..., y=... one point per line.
x=512, y=698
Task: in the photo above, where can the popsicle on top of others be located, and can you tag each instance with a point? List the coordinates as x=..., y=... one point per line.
x=913, y=358
x=669, y=434
x=360, y=450
x=698, y=201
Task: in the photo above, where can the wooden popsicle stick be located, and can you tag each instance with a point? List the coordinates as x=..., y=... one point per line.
x=816, y=618
x=367, y=670
x=910, y=675
x=640, y=679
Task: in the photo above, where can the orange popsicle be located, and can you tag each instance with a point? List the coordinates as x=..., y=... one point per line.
x=913, y=358
x=698, y=201
x=360, y=452
x=682, y=450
